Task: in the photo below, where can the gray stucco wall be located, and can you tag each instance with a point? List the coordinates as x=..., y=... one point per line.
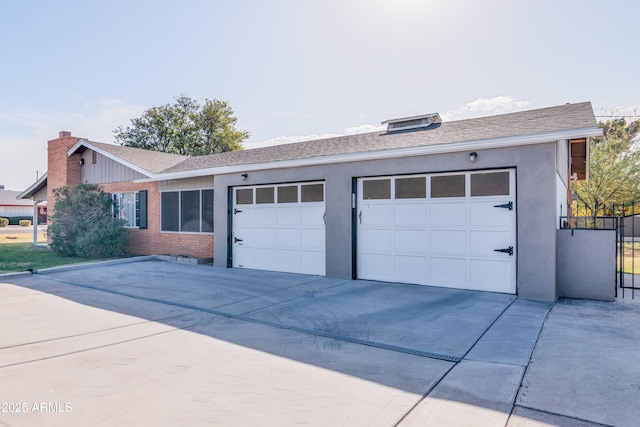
x=587, y=264
x=536, y=222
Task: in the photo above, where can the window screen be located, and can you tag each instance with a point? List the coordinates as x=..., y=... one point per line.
x=170, y=211
x=411, y=188
x=190, y=211
x=490, y=184
x=376, y=189
x=447, y=186
x=312, y=192
x=264, y=195
x=244, y=196
x=288, y=194
x=207, y=211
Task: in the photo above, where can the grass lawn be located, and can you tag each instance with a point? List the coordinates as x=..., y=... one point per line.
x=21, y=256
x=18, y=254
x=631, y=257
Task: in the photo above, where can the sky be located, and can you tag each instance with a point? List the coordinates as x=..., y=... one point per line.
x=295, y=70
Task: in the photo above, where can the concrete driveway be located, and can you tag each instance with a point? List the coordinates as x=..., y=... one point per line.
x=158, y=343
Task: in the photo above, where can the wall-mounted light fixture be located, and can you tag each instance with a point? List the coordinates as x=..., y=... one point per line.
x=244, y=176
x=82, y=161
x=473, y=156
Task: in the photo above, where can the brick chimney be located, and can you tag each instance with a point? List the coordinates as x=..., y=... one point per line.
x=61, y=169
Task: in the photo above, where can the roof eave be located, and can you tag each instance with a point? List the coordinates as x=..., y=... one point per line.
x=87, y=144
x=33, y=188
x=385, y=154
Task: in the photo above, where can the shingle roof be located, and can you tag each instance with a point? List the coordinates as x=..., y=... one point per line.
x=552, y=119
x=151, y=161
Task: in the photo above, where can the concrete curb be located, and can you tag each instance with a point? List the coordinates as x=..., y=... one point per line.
x=84, y=265
x=81, y=266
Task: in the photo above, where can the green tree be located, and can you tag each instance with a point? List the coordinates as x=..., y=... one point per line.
x=184, y=127
x=84, y=225
x=614, y=169
x=216, y=126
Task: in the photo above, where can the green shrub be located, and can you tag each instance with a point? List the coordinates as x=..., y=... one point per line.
x=103, y=242
x=4, y=222
x=15, y=220
x=25, y=223
x=83, y=223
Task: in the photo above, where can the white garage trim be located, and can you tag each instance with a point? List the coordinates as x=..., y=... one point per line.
x=439, y=229
x=279, y=227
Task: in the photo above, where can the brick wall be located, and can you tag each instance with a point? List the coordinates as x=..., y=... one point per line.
x=152, y=240
x=61, y=169
x=66, y=170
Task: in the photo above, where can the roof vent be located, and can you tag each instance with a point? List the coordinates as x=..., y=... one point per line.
x=413, y=122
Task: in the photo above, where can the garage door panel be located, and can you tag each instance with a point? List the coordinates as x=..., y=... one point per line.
x=288, y=259
x=289, y=215
x=312, y=215
x=265, y=257
x=410, y=268
x=244, y=218
x=448, y=269
x=312, y=262
x=448, y=214
x=278, y=230
x=312, y=238
x=243, y=256
x=265, y=237
x=377, y=239
x=376, y=214
x=377, y=265
x=288, y=238
x=411, y=214
x=486, y=214
x=483, y=242
x=413, y=241
x=245, y=236
x=492, y=275
x=448, y=241
x=443, y=237
x=265, y=216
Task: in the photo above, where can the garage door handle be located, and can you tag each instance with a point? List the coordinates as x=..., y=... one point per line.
x=505, y=206
x=236, y=240
x=508, y=250
x=360, y=216
x=324, y=218
x=235, y=211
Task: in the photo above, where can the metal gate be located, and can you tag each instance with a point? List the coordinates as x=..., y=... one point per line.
x=625, y=219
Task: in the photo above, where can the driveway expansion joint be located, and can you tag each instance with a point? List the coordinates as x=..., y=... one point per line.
x=391, y=347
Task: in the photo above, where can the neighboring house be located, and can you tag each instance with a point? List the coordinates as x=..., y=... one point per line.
x=15, y=209
x=470, y=204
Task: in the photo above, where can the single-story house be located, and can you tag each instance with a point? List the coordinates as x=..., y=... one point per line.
x=15, y=209
x=470, y=204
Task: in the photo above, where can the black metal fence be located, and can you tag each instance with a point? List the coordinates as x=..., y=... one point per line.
x=625, y=219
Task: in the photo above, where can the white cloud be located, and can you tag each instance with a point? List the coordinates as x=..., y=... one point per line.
x=486, y=107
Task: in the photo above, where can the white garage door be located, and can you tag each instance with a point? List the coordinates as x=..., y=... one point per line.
x=453, y=230
x=279, y=228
